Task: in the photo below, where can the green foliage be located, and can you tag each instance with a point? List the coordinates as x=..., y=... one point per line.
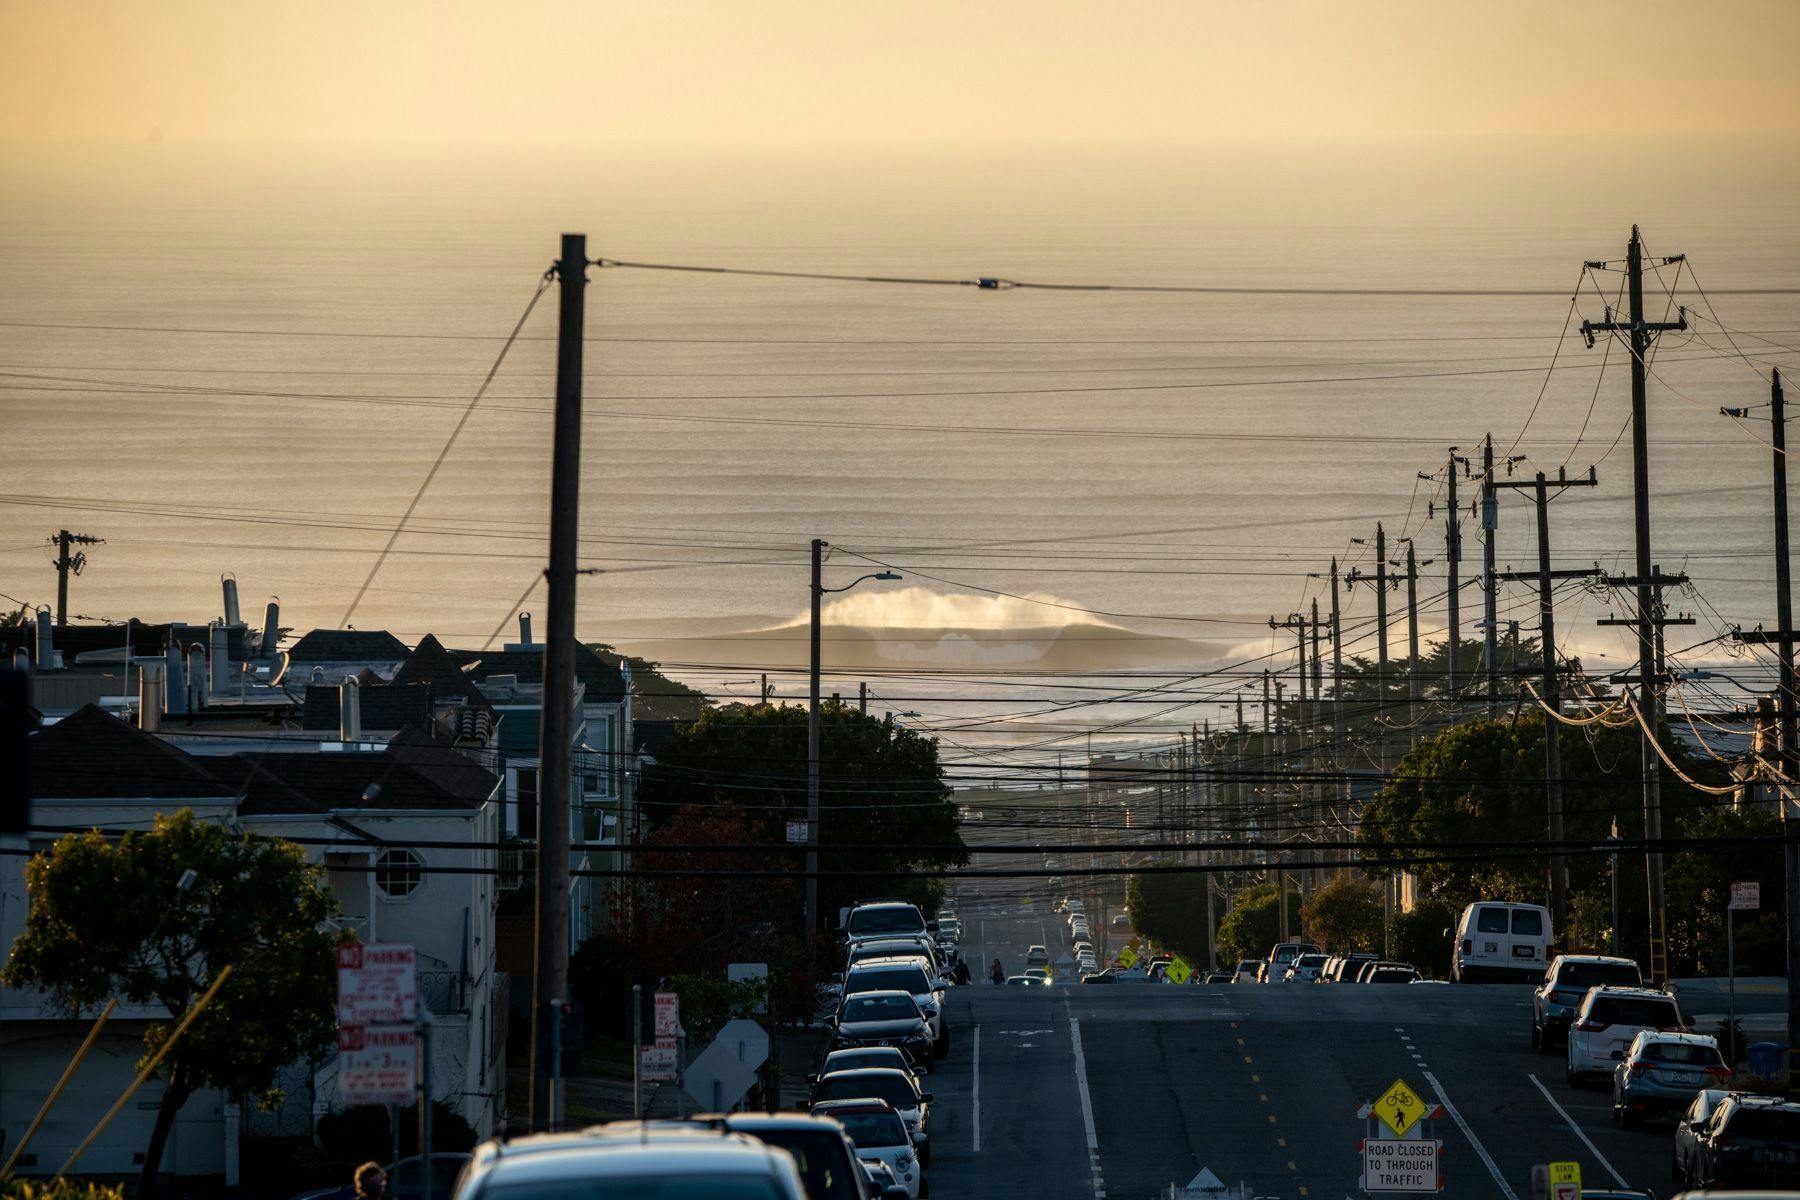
x=1698, y=888
x=655, y=697
x=361, y=1133
x=1170, y=910
x=108, y=919
x=18, y=1187
x=880, y=785
x=708, y=1001
x=1419, y=937
x=1254, y=922
x=1346, y=914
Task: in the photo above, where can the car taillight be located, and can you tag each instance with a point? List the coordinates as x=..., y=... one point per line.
x=1592, y=1026
x=1637, y=1068
x=1718, y=1072
x=1468, y=946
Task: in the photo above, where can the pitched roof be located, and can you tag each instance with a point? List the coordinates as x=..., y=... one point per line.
x=348, y=645
x=430, y=663
x=146, y=639
x=407, y=776
x=604, y=683
x=385, y=706
x=91, y=754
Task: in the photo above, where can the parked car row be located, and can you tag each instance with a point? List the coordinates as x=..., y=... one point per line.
x=1303, y=962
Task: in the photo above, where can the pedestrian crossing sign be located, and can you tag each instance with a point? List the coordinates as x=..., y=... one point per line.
x=1127, y=956
x=1399, y=1108
x=1178, y=970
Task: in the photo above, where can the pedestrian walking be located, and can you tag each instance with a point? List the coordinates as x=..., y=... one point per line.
x=997, y=975
x=371, y=1182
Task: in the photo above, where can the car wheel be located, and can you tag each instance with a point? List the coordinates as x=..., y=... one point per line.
x=1545, y=1044
x=1570, y=1078
x=925, y=1155
x=1629, y=1119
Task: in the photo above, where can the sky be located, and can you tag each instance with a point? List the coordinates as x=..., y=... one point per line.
x=807, y=71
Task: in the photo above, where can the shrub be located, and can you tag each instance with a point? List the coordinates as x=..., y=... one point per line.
x=18, y=1187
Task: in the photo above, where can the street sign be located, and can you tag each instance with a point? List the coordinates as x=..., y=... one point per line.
x=717, y=1080
x=1399, y=1108
x=1565, y=1181
x=796, y=833
x=1127, y=956
x=378, y=983
x=1744, y=895
x=747, y=1039
x=668, y=1014
x=1178, y=970
x=660, y=1063
x=1205, y=1184
x=1398, y=1165
x=377, y=1065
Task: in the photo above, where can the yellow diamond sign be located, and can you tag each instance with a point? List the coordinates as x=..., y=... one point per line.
x=1127, y=956
x=1399, y=1108
x=1178, y=969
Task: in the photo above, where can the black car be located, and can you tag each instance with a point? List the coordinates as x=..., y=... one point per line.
x=884, y=1018
x=1109, y=975
x=1752, y=1142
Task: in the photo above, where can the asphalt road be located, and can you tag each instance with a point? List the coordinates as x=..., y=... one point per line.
x=1082, y=1092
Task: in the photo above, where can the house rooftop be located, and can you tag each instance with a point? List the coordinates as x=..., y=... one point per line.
x=348, y=645
x=605, y=685
x=92, y=754
x=385, y=707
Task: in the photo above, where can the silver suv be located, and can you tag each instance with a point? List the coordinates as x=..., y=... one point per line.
x=694, y=1162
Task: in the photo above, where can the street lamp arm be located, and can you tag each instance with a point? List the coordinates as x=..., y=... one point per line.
x=876, y=575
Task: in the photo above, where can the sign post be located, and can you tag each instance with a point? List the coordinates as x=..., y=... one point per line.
x=1743, y=896
x=1399, y=1155
x=384, y=1036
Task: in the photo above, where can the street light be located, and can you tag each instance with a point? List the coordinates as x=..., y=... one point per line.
x=819, y=591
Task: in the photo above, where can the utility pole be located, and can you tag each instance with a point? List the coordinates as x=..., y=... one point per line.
x=1413, y=687
x=550, y=969
x=1787, y=718
x=1381, y=638
x=1490, y=588
x=66, y=565
x=814, y=741
x=1641, y=335
x=1550, y=681
x=1280, y=817
x=1453, y=565
x=862, y=697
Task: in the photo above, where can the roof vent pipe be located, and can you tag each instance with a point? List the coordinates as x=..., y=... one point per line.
x=196, y=678
x=46, y=641
x=218, y=654
x=350, y=710
x=177, y=672
x=150, y=696
x=525, y=628
x=22, y=661
x=231, y=601
x=271, y=636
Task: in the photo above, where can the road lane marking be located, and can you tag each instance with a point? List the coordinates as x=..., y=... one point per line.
x=1592, y=1149
x=975, y=1097
x=1087, y=1110
x=1480, y=1150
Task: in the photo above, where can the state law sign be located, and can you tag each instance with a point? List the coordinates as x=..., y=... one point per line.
x=378, y=984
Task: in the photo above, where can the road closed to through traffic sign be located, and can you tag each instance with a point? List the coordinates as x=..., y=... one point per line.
x=1401, y=1165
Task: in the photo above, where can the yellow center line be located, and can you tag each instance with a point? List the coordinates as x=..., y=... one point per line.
x=1280, y=1141
x=1263, y=1096
x=1271, y=1118
x=1292, y=1167
x=1246, y=1058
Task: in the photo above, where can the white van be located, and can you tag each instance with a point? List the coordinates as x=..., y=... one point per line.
x=1497, y=940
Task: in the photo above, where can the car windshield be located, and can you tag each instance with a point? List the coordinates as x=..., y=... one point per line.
x=1683, y=1052
x=1392, y=975
x=707, y=1186
x=879, y=1008
x=1633, y=1010
x=889, y=979
x=899, y=919
x=875, y=1056
x=819, y=1153
x=1766, y=1124
x=1591, y=974
x=1310, y=960
x=896, y=1089
x=873, y=1130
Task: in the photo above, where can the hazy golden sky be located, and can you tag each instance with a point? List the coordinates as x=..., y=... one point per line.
x=973, y=70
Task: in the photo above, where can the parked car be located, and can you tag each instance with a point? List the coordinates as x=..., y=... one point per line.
x=883, y=918
x=1344, y=969
x=1608, y=1020
x=849, y=1058
x=1659, y=1075
x=898, y=1088
x=901, y=947
x=1688, y=1131
x=1750, y=1142
x=879, y=1135
x=826, y=1157
x=949, y=927
x=1565, y=985
x=1501, y=942
x=1305, y=968
x=1036, y=956
x=1366, y=968
x=1216, y=977
x=1393, y=973
x=1281, y=957
x=882, y=1180
x=884, y=1018
x=695, y=1161
x=1109, y=975
x=913, y=975
x=1247, y=970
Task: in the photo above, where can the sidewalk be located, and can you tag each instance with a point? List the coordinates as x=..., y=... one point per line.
x=593, y=1098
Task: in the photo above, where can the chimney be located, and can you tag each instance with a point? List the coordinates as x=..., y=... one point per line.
x=196, y=678
x=22, y=661
x=350, y=710
x=219, y=656
x=46, y=641
x=231, y=601
x=150, y=696
x=177, y=672
x=271, y=629
x=525, y=629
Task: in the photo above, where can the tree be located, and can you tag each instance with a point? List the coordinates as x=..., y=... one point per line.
x=655, y=697
x=1170, y=909
x=1346, y=914
x=1254, y=922
x=880, y=785
x=112, y=919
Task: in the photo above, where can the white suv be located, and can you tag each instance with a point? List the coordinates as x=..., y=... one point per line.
x=698, y=1161
x=880, y=1135
x=1607, y=1021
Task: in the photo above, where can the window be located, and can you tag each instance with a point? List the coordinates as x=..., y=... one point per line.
x=525, y=810
x=1644, y=1012
x=398, y=873
x=1490, y=920
x=1587, y=975
x=1528, y=922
